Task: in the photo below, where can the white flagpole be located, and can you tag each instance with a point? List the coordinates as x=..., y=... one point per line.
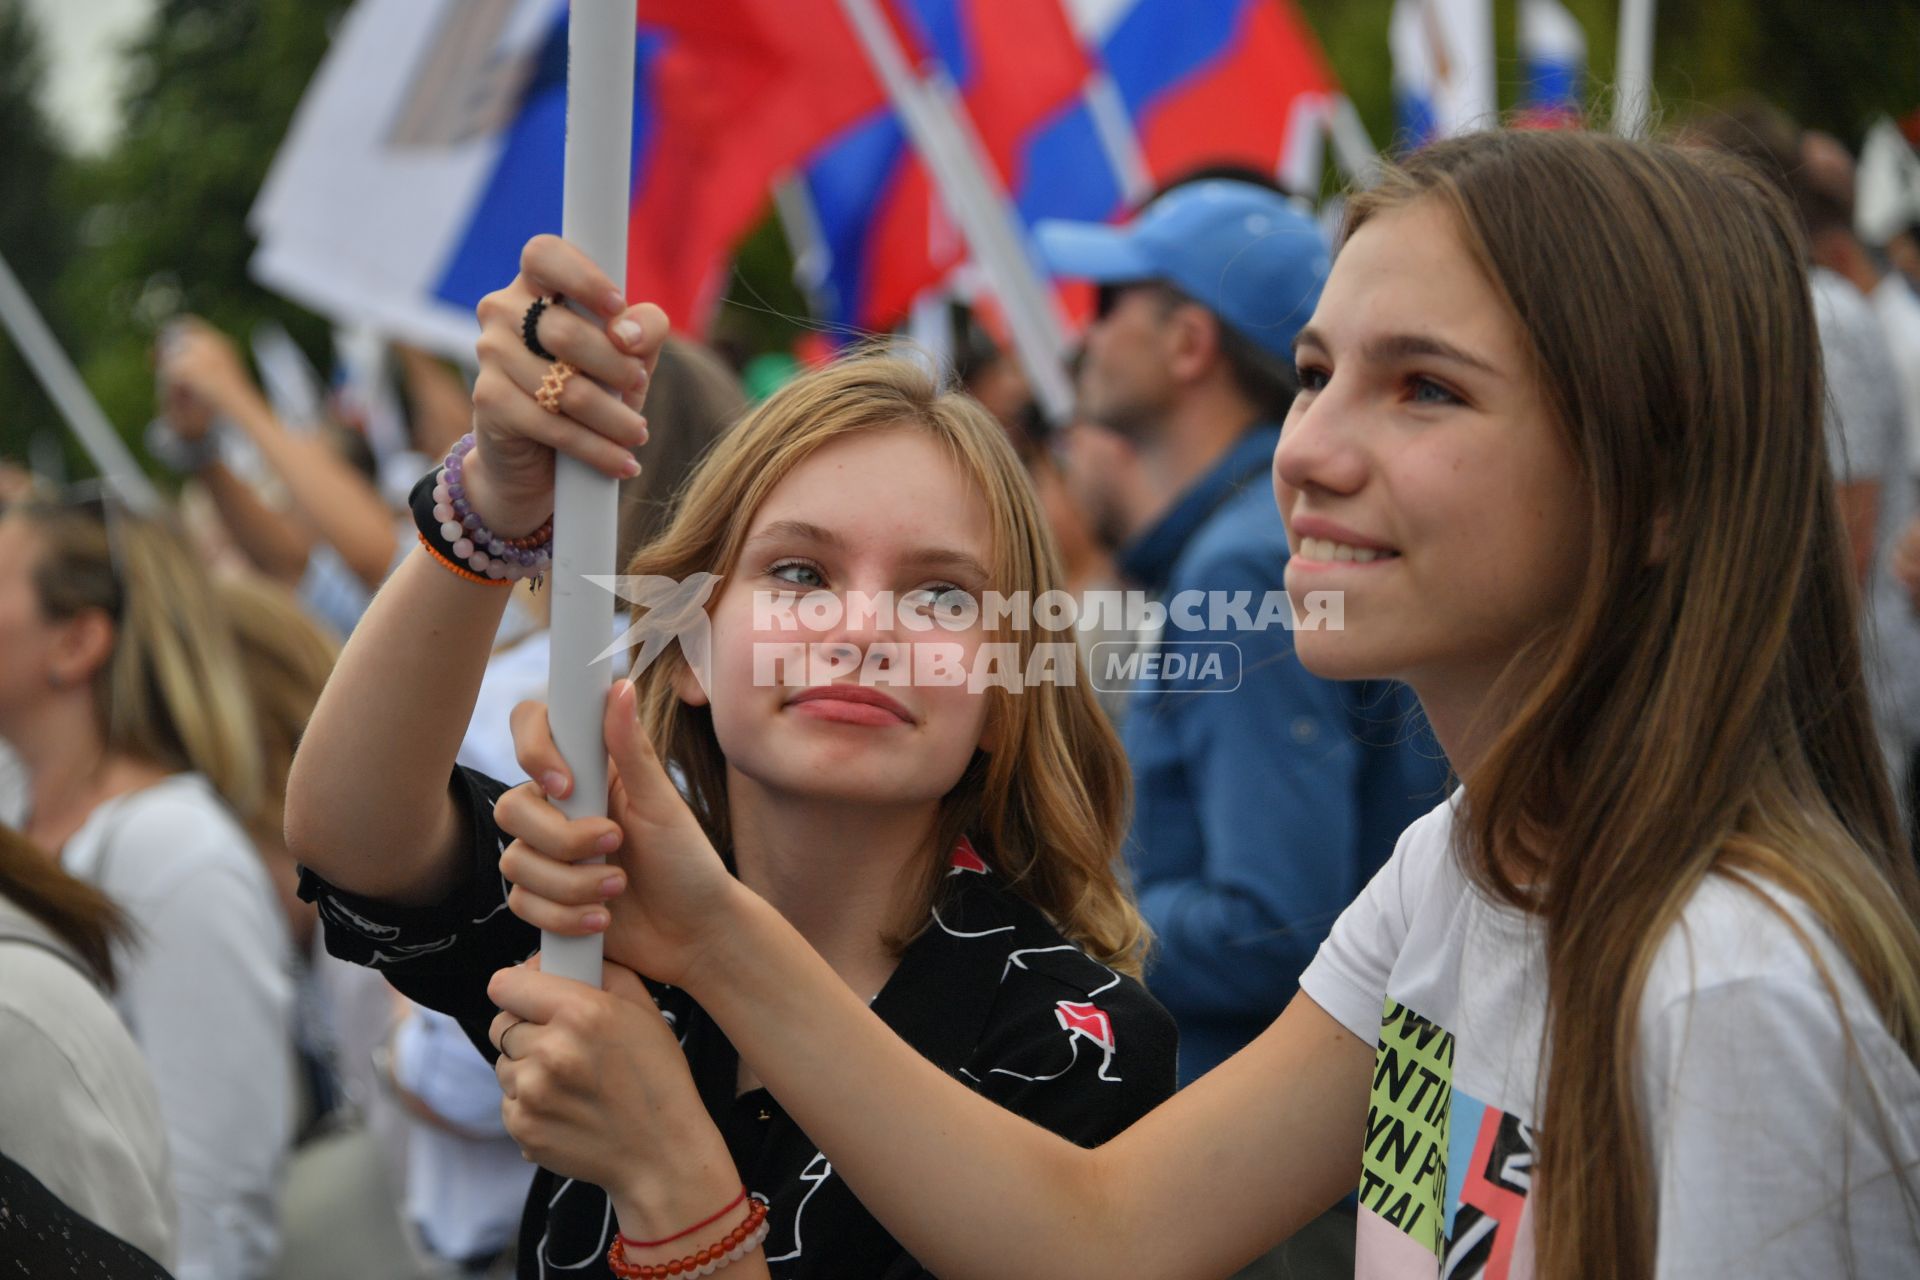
x=1633, y=69
x=70, y=395
x=600, y=39
x=966, y=184
x=1352, y=148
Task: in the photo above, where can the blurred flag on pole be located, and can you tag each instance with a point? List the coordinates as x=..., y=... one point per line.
x=1887, y=195
x=1122, y=95
x=879, y=235
x=1443, y=69
x=1553, y=57
x=429, y=147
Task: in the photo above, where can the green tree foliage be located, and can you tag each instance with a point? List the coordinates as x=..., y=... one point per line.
x=35, y=244
x=161, y=218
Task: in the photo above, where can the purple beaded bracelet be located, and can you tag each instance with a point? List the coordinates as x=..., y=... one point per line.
x=483, y=550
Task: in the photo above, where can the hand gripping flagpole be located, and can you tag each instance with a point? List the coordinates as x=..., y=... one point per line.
x=600, y=40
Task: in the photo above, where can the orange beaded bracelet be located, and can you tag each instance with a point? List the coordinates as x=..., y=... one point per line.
x=732, y=1247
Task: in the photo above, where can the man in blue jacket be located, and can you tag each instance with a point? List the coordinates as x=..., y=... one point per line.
x=1265, y=797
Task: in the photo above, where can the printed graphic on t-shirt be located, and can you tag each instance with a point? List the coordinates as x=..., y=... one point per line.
x=1444, y=1182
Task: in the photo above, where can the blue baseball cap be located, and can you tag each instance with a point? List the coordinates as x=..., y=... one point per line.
x=1244, y=252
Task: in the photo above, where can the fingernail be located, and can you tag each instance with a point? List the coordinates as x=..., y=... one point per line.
x=594, y=920
x=611, y=885
x=608, y=843
x=612, y=301
x=555, y=784
x=630, y=467
x=629, y=332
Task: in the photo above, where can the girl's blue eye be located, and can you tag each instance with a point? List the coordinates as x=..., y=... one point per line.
x=1311, y=377
x=798, y=572
x=1427, y=391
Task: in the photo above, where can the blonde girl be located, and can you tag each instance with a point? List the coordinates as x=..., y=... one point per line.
x=948, y=849
x=120, y=687
x=1643, y=997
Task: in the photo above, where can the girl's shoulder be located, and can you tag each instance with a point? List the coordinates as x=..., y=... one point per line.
x=175, y=830
x=1740, y=932
x=1749, y=985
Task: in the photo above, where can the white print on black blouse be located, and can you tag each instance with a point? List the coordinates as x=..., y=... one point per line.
x=1081, y=1021
x=605, y=1237
x=366, y=928
x=382, y=956
x=982, y=933
x=818, y=1170
x=1013, y=958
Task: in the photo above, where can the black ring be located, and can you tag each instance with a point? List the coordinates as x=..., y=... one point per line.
x=530, y=327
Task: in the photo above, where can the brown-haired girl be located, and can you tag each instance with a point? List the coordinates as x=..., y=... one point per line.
x=1643, y=997
x=950, y=850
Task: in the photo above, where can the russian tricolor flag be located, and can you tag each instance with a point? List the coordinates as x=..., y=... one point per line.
x=1154, y=88
x=1443, y=69
x=430, y=148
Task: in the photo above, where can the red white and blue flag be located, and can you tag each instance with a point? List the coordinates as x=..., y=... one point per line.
x=1120, y=95
x=1443, y=68
x=429, y=147
x=1553, y=57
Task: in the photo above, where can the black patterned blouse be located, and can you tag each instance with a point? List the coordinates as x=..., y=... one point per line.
x=990, y=991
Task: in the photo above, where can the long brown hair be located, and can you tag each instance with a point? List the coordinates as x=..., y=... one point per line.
x=1048, y=806
x=72, y=910
x=1702, y=711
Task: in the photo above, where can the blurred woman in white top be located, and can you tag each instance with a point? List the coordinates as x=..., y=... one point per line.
x=121, y=690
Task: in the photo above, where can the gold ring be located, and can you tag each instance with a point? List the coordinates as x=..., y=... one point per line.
x=548, y=396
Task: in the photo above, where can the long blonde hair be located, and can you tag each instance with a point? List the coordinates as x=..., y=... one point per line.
x=172, y=693
x=1048, y=806
x=1702, y=711
x=285, y=658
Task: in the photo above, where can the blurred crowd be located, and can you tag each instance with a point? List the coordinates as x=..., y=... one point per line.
x=197, y=1076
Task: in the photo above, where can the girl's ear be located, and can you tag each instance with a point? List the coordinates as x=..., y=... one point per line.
x=84, y=644
x=686, y=686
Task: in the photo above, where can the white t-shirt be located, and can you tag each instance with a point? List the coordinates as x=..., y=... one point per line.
x=206, y=988
x=1867, y=442
x=1761, y=1122
x=1898, y=307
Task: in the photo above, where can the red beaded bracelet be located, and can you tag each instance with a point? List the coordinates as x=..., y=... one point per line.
x=736, y=1244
